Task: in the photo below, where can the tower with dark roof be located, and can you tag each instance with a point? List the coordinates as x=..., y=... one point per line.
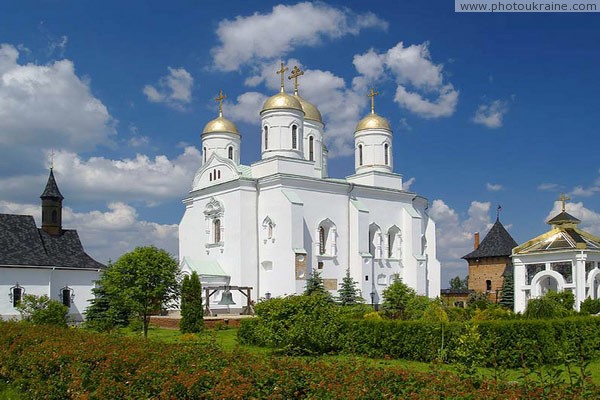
x=490, y=261
x=52, y=207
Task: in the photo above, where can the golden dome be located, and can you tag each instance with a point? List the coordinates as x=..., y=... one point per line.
x=220, y=124
x=282, y=100
x=310, y=110
x=372, y=121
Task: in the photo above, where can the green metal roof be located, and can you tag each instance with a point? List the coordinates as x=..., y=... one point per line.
x=204, y=268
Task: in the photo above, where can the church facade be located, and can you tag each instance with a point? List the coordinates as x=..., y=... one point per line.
x=270, y=224
x=44, y=261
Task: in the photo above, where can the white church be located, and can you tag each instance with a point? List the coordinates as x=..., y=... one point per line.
x=270, y=224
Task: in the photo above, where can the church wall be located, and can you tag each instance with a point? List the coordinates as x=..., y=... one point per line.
x=482, y=270
x=35, y=281
x=48, y=282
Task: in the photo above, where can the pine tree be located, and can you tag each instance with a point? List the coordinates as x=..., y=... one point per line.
x=192, y=314
x=315, y=286
x=348, y=293
x=508, y=292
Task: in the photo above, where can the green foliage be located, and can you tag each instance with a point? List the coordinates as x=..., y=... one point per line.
x=314, y=285
x=396, y=298
x=105, y=312
x=356, y=311
x=192, y=313
x=54, y=363
x=457, y=314
x=42, y=310
x=566, y=299
x=551, y=305
x=416, y=306
x=348, y=292
x=468, y=351
x=507, y=299
x=435, y=312
x=373, y=316
x=590, y=306
x=457, y=283
x=478, y=300
x=306, y=324
x=493, y=313
x=143, y=281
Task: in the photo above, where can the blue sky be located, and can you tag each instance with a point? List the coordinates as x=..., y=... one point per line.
x=486, y=109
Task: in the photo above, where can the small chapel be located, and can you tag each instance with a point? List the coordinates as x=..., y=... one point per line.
x=566, y=258
x=270, y=224
x=47, y=261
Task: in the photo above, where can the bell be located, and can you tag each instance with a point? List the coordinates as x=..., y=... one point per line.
x=227, y=299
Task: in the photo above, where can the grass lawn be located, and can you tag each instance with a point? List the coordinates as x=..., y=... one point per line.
x=9, y=393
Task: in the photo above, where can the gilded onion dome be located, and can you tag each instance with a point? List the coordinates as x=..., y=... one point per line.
x=310, y=110
x=220, y=124
x=373, y=121
x=282, y=100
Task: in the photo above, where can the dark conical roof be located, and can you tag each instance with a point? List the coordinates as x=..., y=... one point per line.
x=51, y=190
x=497, y=243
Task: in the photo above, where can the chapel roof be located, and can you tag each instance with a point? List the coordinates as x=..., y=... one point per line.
x=282, y=100
x=497, y=243
x=23, y=243
x=310, y=110
x=51, y=189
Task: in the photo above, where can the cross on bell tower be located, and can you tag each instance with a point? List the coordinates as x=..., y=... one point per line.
x=563, y=198
x=372, y=95
x=282, y=72
x=296, y=72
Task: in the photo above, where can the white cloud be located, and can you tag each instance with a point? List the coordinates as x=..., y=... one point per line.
x=585, y=192
x=246, y=108
x=491, y=115
x=175, y=89
x=407, y=184
x=420, y=82
x=548, y=187
x=590, y=219
x=455, y=236
x=493, y=187
x=48, y=106
x=141, y=179
x=106, y=235
x=261, y=37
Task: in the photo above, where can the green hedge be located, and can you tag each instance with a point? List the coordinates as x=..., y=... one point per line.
x=511, y=343
x=62, y=364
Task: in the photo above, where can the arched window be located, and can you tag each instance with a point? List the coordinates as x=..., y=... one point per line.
x=360, y=155
x=386, y=149
x=375, y=241
x=270, y=231
x=204, y=153
x=394, y=242
x=217, y=230
x=294, y=137
x=311, y=148
x=54, y=216
x=266, y=128
x=16, y=294
x=322, y=239
x=230, y=152
x=66, y=296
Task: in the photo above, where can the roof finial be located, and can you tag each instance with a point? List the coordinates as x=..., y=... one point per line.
x=281, y=72
x=52, y=159
x=220, y=100
x=296, y=72
x=563, y=198
x=498, y=212
x=372, y=95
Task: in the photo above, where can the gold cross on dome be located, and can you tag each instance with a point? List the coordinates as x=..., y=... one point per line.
x=281, y=72
x=563, y=198
x=296, y=72
x=372, y=95
x=220, y=99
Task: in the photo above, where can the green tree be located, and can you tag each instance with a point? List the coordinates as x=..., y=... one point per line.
x=508, y=292
x=478, y=300
x=396, y=298
x=42, y=310
x=565, y=298
x=544, y=308
x=143, y=281
x=192, y=314
x=314, y=285
x=348, y=293
x=457, y=283
x=590, y=306
x=106, y=312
